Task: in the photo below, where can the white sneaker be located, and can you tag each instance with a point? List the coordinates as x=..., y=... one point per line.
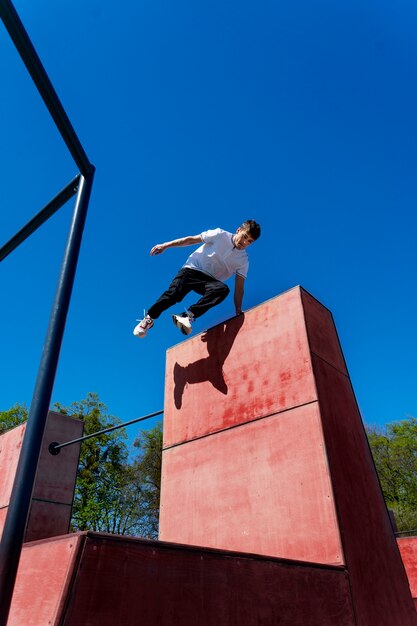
x=142, y=328
x=183, y=322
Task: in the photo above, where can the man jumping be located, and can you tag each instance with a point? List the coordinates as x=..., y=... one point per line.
x=220, y=255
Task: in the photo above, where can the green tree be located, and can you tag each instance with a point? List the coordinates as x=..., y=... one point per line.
x=148, y=464
x=13, y=417
x=109, y=490
x=394, y=448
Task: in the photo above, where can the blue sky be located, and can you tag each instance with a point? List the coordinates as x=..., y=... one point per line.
x=202, y=114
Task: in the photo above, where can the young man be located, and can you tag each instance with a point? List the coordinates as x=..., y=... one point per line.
x=221, y=255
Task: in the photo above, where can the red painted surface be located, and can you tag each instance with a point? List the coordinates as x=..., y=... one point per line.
x=379, y=583
x=262, y=487
x=3, y=513
x=408, y=550
x=43, y=581
x=322, y=336
x=55, y=479
x=276, y=461
x=102, y=580
x=47, y=519
x=271, y=484
x=10, y=446
x=50, y=511
x=251, y=366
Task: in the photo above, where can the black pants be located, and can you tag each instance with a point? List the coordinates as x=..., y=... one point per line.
x=212, y=291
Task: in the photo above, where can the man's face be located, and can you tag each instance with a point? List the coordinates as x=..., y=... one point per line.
x=242, y=239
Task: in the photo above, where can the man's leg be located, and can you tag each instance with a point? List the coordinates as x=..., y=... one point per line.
x=213, y=293
x=177, y=290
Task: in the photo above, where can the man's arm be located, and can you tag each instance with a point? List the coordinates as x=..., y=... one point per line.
x=238, y=296
x=176, y=243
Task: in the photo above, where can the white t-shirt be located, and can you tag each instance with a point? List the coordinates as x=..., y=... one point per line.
x=218, y=257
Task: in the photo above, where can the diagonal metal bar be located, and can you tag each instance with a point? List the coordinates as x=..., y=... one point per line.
x=44, y=214
x=54, y=447
x=15, y=525
x=33, y=63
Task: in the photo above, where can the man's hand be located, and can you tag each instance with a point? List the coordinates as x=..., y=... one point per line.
x=158, y=249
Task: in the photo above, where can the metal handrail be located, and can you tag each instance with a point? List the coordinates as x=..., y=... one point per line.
x=405, y=533
x=55, y=447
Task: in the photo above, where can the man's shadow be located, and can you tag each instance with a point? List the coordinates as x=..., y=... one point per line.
x=219, y=341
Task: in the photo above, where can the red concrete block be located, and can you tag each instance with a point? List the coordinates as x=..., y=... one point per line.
x=43, y=581
x=377, y=575
x=103, y=580
x=264, y=450
x=53, y=492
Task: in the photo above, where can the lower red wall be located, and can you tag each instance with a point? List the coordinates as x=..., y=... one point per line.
x=105, y=580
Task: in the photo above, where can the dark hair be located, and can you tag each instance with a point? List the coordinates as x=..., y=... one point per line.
x=253, y=229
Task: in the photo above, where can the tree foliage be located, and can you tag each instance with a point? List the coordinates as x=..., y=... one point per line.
x=13, y=417
x=394, y=449
x=149, y=464
x=111, y=494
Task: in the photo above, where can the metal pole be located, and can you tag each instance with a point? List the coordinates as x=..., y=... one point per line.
x=44, y=214
x=55, y=447
x=14, y=529
x=33, y=63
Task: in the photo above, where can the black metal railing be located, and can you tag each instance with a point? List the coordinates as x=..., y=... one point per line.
x=55, y=447
x=406, y=533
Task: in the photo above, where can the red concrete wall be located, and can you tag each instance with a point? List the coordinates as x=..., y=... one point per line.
x=102, y=580
x=264, y=451
x=268, y=393
x=408, y=550
x=50, y=511
x=44, y=578
x=377, y=577
x=224, y=491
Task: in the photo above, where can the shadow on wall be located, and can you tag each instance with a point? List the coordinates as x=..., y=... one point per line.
x=219, y=341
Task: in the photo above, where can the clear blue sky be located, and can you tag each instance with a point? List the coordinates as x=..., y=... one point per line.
x=197, y=115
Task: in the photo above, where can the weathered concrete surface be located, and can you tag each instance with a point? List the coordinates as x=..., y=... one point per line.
x=265, y=451
x=53, y=492
x=104, y=580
